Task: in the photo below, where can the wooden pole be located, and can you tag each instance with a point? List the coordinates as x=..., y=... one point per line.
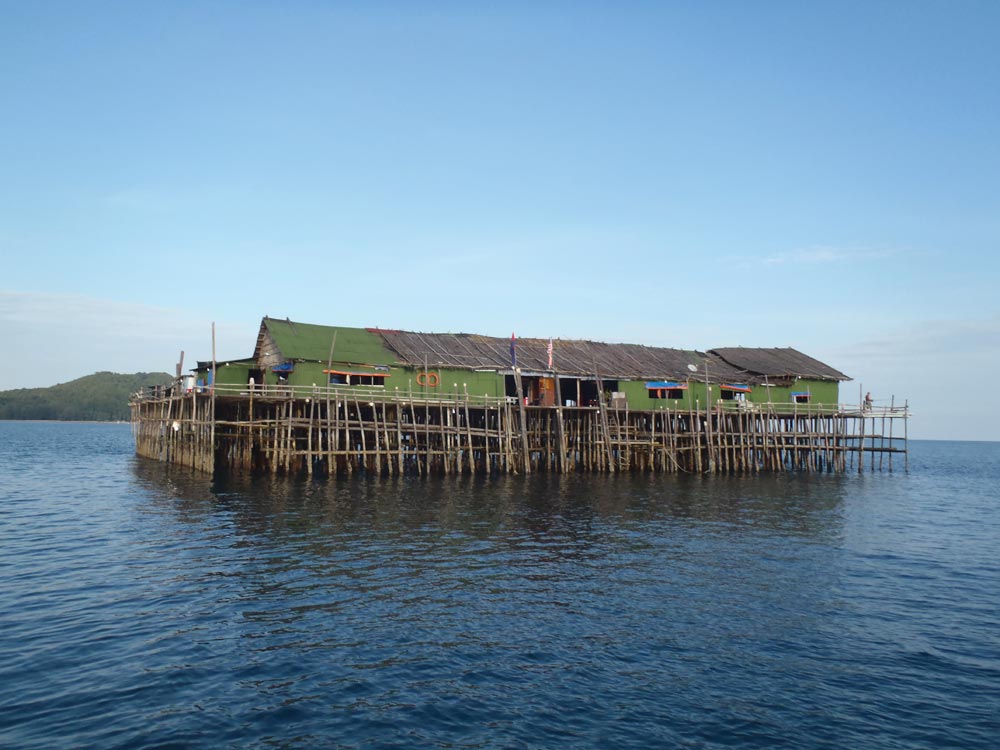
x=861, y=446
x=892, y=418
x=523, y=414
x=211, y=447
x=906, y=435
x=309, y=435
x=604, y=419
x=708, y=421
x=468, y=430
x=560, y=427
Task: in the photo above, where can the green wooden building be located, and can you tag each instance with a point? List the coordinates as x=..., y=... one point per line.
x=579, y=373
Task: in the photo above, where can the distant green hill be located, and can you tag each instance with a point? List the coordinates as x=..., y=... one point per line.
x=102, y=396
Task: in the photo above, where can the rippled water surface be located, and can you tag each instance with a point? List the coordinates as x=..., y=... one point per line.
x=142, y=606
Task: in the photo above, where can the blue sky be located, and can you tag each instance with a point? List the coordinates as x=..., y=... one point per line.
x=817, y=175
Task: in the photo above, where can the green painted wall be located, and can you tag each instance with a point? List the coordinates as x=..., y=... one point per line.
x=492, y=384
x=478, y=383
x=403, y=378
x=307, y=373
x=232, y=373
x=638, y=396
x=822, y=392
x=226, y=373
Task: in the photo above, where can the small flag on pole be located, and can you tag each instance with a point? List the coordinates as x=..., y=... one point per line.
x=549, y=350
x=513, y=352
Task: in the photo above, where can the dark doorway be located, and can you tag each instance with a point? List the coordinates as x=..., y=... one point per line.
x=588, y=391
x=509, y=387
x=568, y=391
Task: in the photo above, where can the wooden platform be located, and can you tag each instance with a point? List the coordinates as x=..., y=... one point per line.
x=330, y=431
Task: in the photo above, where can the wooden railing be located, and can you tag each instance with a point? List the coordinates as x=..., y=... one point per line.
x=381, y=394
x=372, y=393
x=856, y=410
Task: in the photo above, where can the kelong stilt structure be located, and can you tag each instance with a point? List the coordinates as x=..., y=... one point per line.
x=329, y=401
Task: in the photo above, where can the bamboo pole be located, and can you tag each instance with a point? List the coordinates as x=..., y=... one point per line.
x=468, y=430
x=309, y=437
x=906, y=433
x=892, y=412
x=521, y=411
x=560, y=427
x=604, y=419
x=211, y=448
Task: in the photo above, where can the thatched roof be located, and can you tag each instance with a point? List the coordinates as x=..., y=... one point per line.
x=777, y=363
x=287, y=340
x=570, y=357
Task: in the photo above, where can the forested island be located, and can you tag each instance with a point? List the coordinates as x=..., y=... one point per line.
x=101, y=397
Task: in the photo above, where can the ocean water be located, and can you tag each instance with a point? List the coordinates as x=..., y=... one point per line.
x=144, y=606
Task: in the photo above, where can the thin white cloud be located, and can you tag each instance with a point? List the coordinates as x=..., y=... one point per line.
x=59, y=337
x=938, y=366
x=938, y=340
x=78, y=311
x=816, y=255
x=163, y=200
